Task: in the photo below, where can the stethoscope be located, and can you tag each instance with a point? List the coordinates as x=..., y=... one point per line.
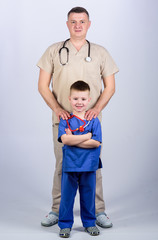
x=87, y=59
x=80, y=128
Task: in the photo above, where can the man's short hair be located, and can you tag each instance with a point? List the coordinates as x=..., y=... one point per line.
x=78, y=10
x=80, y=86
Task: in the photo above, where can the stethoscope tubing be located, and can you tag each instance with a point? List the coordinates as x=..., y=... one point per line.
x=88, y=59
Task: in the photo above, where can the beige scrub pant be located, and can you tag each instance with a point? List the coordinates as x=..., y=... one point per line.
x=56, y=191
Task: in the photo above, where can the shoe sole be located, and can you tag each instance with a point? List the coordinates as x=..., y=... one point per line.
x=100, y=225
x=92, y=234
x=64, y=236
x=49, y=225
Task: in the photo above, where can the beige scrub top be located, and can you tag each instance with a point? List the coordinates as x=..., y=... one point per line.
x=102, y=65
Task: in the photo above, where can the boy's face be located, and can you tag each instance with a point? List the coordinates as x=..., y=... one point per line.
x=79, y=100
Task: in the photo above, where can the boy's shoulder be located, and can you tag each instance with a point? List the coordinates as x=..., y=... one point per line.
x=62, y=123
x=96, y=120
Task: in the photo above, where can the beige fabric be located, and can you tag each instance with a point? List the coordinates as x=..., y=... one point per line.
x=102, y=65
x=56, y=191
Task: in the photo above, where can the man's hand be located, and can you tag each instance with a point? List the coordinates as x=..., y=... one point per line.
x=92, y=113
x=61, y=113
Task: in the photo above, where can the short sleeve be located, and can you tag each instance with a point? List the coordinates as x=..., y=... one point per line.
x=61, y=129
x=108, y=66
x=46, y=61
x=96, y=130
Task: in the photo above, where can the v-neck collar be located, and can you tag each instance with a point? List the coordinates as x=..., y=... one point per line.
x=72, y=47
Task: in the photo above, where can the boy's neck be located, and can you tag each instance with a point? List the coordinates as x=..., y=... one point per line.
x=79, y=114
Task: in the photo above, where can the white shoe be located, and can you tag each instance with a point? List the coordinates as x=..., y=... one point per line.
x=103, y=221
x=50, y=219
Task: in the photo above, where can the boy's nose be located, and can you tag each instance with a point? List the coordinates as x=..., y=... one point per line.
x=79, y=101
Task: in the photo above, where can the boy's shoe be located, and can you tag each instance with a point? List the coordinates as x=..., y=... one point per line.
x=50, y=219
x=93, y=231
x=103, y=221
x=65, y=232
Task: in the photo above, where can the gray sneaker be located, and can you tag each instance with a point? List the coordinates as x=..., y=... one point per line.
x=103, y=221
x=93, y=231
x=50, y=219
x=65, y=232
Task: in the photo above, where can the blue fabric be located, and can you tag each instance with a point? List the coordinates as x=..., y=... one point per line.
x=77, y=159
x=87, y=184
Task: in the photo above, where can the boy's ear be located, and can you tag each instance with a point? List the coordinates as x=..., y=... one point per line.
x=69, y=98
x=89, y=99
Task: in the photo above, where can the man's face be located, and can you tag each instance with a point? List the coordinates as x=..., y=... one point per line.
x=78, y=25
x=79, y=100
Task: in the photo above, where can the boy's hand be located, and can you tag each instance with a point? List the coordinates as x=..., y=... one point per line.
x=68, y=132
x=89, y=135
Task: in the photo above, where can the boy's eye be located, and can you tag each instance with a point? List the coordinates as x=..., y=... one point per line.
x=83, y=99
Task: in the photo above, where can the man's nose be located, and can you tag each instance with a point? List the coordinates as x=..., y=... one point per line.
x=78, y=25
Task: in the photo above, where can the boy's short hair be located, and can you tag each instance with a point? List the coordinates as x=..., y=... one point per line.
x=78, y=10
x=80, y=86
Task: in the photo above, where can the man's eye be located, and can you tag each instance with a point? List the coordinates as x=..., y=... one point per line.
x=82, y=21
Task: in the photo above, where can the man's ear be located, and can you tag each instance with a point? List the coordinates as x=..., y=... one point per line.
x=89, y=24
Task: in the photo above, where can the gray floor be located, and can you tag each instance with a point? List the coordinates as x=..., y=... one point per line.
x=20, y=218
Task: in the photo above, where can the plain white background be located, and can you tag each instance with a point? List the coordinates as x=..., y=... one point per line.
x=128, y=29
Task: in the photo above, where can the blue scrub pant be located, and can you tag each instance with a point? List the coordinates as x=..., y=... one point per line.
x=86, y=181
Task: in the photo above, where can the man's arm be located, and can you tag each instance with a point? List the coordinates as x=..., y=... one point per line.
x=43, y=87
x=109, y=90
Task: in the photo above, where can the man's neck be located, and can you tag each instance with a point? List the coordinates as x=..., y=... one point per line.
x=78, y=43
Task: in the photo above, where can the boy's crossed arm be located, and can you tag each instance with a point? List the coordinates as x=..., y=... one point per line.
x=82, y=141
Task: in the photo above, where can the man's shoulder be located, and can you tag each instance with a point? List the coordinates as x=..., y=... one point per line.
x=98, y=47
x=56, y=45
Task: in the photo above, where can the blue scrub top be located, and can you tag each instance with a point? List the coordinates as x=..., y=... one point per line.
x=77, y=159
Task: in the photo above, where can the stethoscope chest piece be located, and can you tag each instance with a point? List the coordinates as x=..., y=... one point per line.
x=88, y=59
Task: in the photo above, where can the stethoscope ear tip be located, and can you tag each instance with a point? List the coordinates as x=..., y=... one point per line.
x=88, y=59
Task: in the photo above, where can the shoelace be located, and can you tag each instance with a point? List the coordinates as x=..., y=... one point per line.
x=65, y=230
x=103, y=216
x=50, y=216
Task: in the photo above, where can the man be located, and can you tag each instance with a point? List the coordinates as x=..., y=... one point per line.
x=66, y=63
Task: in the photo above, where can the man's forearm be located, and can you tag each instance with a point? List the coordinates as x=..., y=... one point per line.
x=104, y=99
x=109, y=90
x=49, y=98
x=43, y=87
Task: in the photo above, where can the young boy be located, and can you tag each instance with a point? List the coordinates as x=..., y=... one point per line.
x=81, y=151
